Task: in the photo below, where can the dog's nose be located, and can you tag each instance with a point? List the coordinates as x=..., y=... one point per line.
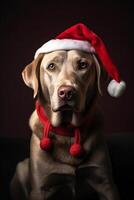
x=66, y=92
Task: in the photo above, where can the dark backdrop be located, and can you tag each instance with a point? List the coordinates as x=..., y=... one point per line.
x=26, y=25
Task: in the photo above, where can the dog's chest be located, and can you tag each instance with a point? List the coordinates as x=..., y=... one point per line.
x=61, y=149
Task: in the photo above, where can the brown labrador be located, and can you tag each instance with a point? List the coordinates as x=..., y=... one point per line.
x=67, y=84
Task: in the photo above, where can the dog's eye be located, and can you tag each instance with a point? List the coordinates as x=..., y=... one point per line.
x=51, y=67
x=82, y=64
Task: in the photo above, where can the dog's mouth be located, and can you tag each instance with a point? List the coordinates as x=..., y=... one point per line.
x=65, y=107
x=65, y=114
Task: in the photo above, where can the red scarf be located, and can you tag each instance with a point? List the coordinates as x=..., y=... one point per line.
x=70, y=131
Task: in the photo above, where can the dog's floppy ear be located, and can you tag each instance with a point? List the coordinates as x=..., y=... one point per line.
x=30, y=74
x=101, y=74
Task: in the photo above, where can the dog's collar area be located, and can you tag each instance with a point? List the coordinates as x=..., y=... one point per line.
x=46, y=142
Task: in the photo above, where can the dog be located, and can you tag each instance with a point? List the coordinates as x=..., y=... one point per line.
x=66, y=84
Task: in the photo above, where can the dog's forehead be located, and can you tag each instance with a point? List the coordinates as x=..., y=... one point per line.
x=78, y=53
x=55, y=56
x=60, y=56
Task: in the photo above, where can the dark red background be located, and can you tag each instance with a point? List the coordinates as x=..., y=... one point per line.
x=26, y=25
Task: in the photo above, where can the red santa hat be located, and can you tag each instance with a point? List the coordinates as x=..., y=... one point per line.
x=79, y=37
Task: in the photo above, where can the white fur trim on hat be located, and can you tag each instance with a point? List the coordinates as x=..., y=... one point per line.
x=116, y=89
x=64, y=44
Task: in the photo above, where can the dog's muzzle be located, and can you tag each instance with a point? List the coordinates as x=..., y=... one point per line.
x=66, y=98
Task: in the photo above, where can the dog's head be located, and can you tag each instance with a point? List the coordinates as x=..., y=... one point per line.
x=66, y=82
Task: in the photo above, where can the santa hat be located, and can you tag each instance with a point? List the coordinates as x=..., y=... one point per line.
x=79, y=37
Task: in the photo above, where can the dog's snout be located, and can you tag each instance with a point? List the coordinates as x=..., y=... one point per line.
x=66, y=92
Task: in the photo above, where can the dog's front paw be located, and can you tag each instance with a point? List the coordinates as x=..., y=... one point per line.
x=60, y=186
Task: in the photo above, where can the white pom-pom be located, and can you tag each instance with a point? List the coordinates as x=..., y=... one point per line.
x=116, y=89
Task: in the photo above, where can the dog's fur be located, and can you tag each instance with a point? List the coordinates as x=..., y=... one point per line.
x=47, y=174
